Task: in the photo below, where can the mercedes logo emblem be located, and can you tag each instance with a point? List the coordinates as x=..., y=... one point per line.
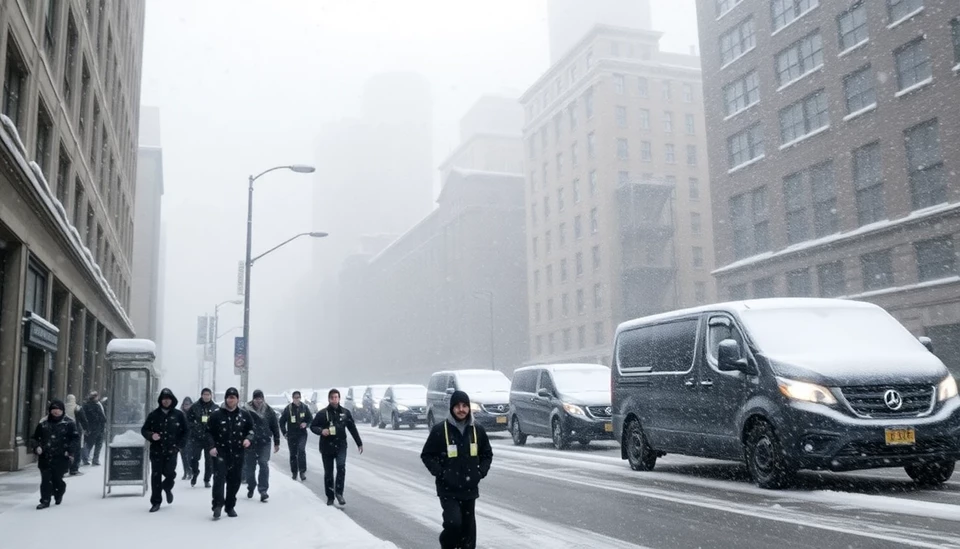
x=500, y=408
x=609, y=410
x=893, y=399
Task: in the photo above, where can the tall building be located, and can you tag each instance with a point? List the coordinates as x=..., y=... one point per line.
x=570, y=20
x=145, y=295
x=833, y=129
x=489, y=138
x=618, y=201
x=70, y=100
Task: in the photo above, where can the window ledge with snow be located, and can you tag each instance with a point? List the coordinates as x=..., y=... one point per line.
x=856, y=114
x=799, y=78
x=743, y=110
x=795, y=19
x=750, y=162
x=803, y=138
x=957, y=68
x=909, y=287
x=910, y=89
x=854, y=48
x=724, y=14
x=737, y=58
x=905, y=18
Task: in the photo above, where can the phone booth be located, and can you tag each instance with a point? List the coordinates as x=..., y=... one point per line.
x=133, y=384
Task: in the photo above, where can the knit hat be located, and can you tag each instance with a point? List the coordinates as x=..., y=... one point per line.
x=459, y=397
x=231, y=392
x=56, y=404
x=205, y=390
x=258, y=394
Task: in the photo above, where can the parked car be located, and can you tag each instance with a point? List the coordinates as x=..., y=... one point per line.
x=353, y=401
x=566, y=402
x=403, y=405
x=785, y=384
x=371, y=402
x=277, y=402
x=489, y=392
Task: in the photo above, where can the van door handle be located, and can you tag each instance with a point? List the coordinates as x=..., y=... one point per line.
x=688, y=383
x=706, y=383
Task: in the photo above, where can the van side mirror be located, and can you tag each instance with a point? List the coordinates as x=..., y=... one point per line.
x=450, y=390
x=927, y=342
x=730, y=359
x=544, y=393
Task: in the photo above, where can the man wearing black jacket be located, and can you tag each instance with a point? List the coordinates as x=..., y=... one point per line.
x=96, y=424
x=229, y=432
x=457, y=452
x=55, y=442
x=294, y=421
x=166, y=430
x=198, y=417
x=331, y=425
x=257, y=455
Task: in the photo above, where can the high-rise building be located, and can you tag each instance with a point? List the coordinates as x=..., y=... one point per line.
x=145, y=295
x=618, y=200
x=489, y=138
x=570, y=20
x=70, y=103
x=832, y=129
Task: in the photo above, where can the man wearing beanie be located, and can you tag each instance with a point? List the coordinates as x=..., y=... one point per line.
x=229, y=432
x=332, y=424
x=457, y=453
x=267, y=426
x=294, y=420
x=54, y=441
x=166, y=430
x=198, y=417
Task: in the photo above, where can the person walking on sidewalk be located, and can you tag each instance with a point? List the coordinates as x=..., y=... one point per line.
x=96, y=421
x=331, y=424
x=198, y=418
x=230, y=431
x=294, y=421
x=457, y=453
x=257, y=455
x=166, y=430
x=70, y=410
x=54, y=442
x=186, y=450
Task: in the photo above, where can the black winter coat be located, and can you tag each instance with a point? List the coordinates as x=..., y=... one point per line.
x=59, y=440
x=96, y=419
x=227, y=430
x=198, y=417
x=339, y=418
x=457, y=477
x=265, y=424
x=291, y=418
x=172, y=427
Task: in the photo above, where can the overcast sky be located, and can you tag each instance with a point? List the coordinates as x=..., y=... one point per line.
x=245, y=85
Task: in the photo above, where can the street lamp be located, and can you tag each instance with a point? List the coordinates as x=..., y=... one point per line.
x=216, y=336
x=315, y=234
x=488, y=294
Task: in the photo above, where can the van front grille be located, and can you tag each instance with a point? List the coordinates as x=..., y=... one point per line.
x=889, y=401
x=600, y=412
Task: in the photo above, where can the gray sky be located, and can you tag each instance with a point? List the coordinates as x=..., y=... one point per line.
x=245, y=85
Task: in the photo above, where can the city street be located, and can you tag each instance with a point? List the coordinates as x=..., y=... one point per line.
x=538, y=497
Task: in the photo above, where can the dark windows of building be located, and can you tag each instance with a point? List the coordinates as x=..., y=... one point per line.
x=785, y=12
x=852, y=26
x=913, y=64
x=868, y=183
x=15, y=86
x=877, y=270
x=801, y=57
x=859, y=90
x=737, y=41
x=745, y=146
x=804, y=117
x=831, y=279
x=936, y=258
x=925, y=165
x=798, y=283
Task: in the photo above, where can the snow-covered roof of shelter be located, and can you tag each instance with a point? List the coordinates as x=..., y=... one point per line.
x=132, y=347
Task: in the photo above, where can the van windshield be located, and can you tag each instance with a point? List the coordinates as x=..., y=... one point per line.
x=844, y=331
x=484, y=382
x=582, y=381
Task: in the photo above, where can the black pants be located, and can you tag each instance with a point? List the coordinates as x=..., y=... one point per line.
x=197, y=449
x=163, y=473
x=298, y=453
x=329, y=487
x=228, y=474
x=52, y=485
x=93, y=441
x=258, y=455
x=459, y=524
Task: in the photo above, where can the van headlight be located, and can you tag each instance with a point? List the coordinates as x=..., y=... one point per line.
x=947, y=389
x=474, y=407
x=807, y=392
x=573, y=410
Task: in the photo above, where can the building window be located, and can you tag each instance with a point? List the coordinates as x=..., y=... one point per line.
x=563, y=270
x=546, y=207
x=44, y=132
x=670, y=153
x=597, y=296
x=35, y=300
x=955, y=36
x=666, y=90
x=77, y=202
x=697, y=257
x=913, y=64
x=699, y=293
x=691, y=155
x=687, y=93
x=623, y=149
x=551, y=343
x=70, y=62
x=548, y=247
x=544, y=138
x=643, y=87
x=750, y=220
x=668, y=122
x=598, y=334
x=559, y=164
x=831, y=279
x=539, y=345
x=576, y=191
x=574, y=117
x=88, y=228
x=696, y=226
x=536, y=281
x=578, y=263
x=804, y=117
x=858, y=88
x=536, y=247
x=615, y=49
x=738, y=292
x=623, y=178
x=537, y=315
x=694, y=188
x=588, y=103
x=63, y=176
x=795, y=200
x=644, y=119
x=563, y=235
x=618, y=84
x=646, y=151
x=877, y=270
x=566, y=339
x=593, y=183
x=852, y=26
x=800, y=58
x=690, y=123
x=594, y=223
x=550, y=309
x=763, y=288
x=14, y=86
x=785, y=12
x=798, y=283
x=621, y=116
x=868, y=182
x=596, y=257
x=50, y=30
x=925, y=165
x=581, y=303
x=591, y=145
x=561, y=203
x=723, y=6
x=533, y=214
x=826, y=219
x=902, y=8
x=581, y=337
x=745, y=146
x=533, y=182
x=741, y=93
x=737, y=41
x=936, y=258
x=577, y=228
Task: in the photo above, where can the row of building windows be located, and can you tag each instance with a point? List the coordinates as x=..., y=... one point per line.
x=581, y=305
x=566, y=339
x=564, y=271
x=562, y=233
x=623, y=178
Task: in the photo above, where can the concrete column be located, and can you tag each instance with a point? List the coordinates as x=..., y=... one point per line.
x=90, y=355
x=63, y=321
x=11, y=340
x=78, y=327
x=101, y=370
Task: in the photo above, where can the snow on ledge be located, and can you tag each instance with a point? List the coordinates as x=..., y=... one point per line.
x=905, y=18
x=737, y=58
x=132, y=346
x=750, y=162
x=898, y=289
x=129, y=439
x=957, y=68
x=745, y=109
x=801, y=77
x=33, y=317
x=861, y=112
x=11, y=130
x=804, y=137
x=854, y=47
x=909, y=89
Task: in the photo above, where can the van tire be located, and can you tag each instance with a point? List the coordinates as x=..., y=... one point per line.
x=519, y=438
x=766, y=459
x=560, y=440
x=931, y=474
x=639, y=453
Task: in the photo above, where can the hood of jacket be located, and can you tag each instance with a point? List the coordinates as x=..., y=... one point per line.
x=167, y=393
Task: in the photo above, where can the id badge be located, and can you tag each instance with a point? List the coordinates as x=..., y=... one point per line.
x=452, y=451
x=293, y=419
x=203, y=419
x=333, y=430
x=473, y=449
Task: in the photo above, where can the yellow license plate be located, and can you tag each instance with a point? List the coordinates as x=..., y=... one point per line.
x=501, y=419
x=901, y=437
x=608, y=427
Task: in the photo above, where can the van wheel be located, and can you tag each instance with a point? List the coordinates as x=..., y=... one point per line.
x=395, y=420
x=584, y=442
x=766, y=459
x=639, y=453
x=560, y=441
x=519, y=438
x=931, y=474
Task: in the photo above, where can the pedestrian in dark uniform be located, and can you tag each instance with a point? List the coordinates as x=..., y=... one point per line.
x=55, y=443
x=230, y=431
x=331, y=424
x=96, y=424
x=166, y=430
x=71, y=410
x=198, y=417
x=186, y=450
x=267, y=426
x=457, y=452
x=294, y=421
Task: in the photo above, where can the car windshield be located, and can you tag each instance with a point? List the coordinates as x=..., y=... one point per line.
x=798, y=331
x=276, y=400
x=578, y=381
x=484, y=382
x=410, y=393
x=376, y=391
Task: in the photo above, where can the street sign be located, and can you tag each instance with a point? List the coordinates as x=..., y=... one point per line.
x=239, y=355
x=240, y=277
x=202, y=330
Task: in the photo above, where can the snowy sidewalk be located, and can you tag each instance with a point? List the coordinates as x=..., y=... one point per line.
x=294, y=517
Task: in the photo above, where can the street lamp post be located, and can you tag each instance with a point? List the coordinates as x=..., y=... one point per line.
x=489, y=295
x=216, y=337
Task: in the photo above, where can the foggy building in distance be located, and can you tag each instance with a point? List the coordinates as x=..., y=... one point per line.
x=833, y=126
x=70, y=100
x=617, y=193
x=570, y=20
x=489, y=138
x=145, y=286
